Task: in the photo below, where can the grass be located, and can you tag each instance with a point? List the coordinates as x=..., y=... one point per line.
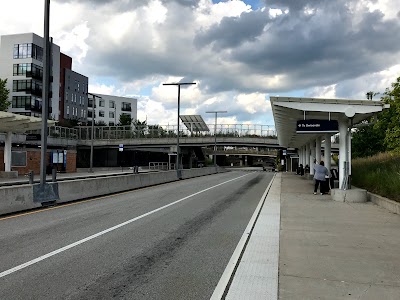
x=379, y=174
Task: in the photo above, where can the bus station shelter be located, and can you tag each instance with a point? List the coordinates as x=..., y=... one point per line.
x=15, y=124
x=303, y=123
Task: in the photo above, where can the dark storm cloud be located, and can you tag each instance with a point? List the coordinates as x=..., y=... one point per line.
x=317, y=48
x=231, y=32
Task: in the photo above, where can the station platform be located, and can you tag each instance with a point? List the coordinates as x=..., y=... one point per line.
x=327, y=249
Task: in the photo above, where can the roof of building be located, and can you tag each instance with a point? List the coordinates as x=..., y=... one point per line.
x=287, y=111
x=15, y=123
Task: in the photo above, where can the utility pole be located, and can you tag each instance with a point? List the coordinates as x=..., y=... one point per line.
x=178, y=166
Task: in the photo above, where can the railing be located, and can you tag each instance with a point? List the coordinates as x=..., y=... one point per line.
x=59, y=132
x=159, y=166
x=157, y=131
x=170, y=131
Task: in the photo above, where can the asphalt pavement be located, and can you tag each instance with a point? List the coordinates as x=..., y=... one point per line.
x=172, y=241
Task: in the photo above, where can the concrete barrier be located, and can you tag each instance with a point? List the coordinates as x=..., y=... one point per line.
x=19, y=198
x=16, y=198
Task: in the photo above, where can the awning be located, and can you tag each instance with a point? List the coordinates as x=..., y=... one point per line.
x=10, y=122
x=287, y=111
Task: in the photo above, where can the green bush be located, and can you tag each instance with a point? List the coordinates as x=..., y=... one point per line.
x=379, y=174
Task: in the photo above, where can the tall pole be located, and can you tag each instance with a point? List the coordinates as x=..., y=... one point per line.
x=216, y=112
x=45, y=92
x=178, y=160
x=92, y=133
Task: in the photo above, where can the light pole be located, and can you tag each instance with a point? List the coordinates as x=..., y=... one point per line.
x=45, y=92
x=92, y=133
x=178, y=169
x=216, y=112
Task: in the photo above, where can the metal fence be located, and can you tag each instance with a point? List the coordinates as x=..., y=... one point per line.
x=170, y=131
x=158, y=131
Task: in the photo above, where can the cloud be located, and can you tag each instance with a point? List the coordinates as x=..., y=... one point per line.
x=237, y=55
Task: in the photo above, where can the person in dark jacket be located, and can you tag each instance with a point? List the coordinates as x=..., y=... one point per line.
x=320, y=174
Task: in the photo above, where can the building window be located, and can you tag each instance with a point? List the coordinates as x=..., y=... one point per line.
x=111, y=115
x=90, y=102
x=66, y=96
x=112, y=104
x=21, y=101
x=67, y=109
x=101, y=113
x=126, y=106
x=89, y=114
x=84, y=114
x=111, y=124
x=28, y=51
x=101, y=103
x=28, y=70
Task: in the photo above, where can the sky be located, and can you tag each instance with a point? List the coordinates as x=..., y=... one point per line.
x=239, y=52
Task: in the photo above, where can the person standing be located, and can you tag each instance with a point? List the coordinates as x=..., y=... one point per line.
x=320, y=171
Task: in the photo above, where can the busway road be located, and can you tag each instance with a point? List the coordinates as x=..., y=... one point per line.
x=171, y=241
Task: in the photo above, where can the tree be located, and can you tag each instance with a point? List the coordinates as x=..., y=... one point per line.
x=139, y=127
x=4, y=92
x=390, y=118
x=367, y=140
x=125, y=120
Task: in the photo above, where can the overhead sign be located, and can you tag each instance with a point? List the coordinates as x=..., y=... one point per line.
x=317, y=126
x=121, y=147
x=33, y=137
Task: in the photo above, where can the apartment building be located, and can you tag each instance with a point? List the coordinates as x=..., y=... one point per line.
x=21, y=63
x=109, y=108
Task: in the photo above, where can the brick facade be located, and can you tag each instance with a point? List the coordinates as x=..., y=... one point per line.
x=33, y=161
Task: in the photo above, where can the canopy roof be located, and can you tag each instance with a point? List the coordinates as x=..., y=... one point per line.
x=287, y=111
x=15, y=123
x=194, y=122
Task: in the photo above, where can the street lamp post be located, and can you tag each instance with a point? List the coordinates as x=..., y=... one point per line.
x=92, y=133
x=45, y=92
x=178, y=166
x=216, y=112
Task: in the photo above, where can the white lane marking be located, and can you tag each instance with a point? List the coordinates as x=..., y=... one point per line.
x=230, y=267
x=43, y=257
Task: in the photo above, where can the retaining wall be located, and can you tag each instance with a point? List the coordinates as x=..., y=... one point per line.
x=19, y=198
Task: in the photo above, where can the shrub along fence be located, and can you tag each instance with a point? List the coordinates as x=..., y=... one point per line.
x=379, y=174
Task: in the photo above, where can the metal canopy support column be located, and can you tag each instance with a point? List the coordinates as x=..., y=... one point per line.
x=343, y=125
x=307, y=154
x=327, y=151
x=7, y=152
x=312, y=157
x=318, y=149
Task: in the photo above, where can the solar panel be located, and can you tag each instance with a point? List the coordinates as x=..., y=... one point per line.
x=194, y=123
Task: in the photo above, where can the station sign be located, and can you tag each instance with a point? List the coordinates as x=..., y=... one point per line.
x=33, y=137
x=317, y=126
x=121, y=147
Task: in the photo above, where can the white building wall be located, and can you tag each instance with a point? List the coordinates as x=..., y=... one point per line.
x=7, y=61
x=117, y=110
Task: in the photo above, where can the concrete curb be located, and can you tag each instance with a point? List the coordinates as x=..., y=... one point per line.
x=386, y=203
